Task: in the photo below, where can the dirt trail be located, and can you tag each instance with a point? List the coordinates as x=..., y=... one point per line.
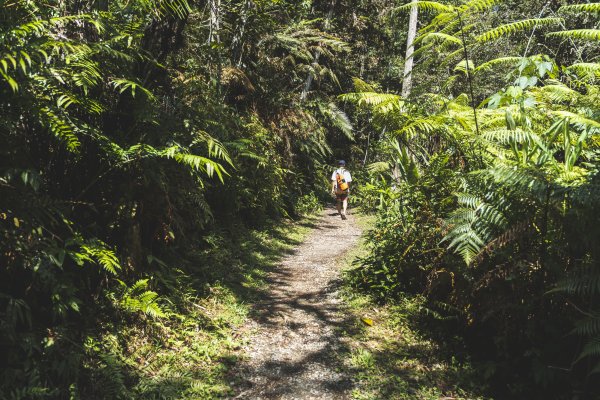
x=294, y=351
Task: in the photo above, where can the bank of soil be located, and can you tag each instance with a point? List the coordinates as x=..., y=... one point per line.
x=294, y=350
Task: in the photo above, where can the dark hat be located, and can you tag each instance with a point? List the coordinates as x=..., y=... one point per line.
x=341, y=162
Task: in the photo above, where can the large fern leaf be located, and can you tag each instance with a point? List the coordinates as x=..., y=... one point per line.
x=514, y=27
x=426, y=6
x=589, y=8
x=581, y=34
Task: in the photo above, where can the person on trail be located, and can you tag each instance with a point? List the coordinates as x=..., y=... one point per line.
x=340, y=187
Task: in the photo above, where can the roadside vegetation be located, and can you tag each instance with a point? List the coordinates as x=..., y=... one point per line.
x=486, y=197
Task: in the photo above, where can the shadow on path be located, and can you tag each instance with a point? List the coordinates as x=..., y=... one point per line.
x=295, y=350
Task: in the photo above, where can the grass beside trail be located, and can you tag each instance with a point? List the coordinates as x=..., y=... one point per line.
x=188, y=353
x=391, y=359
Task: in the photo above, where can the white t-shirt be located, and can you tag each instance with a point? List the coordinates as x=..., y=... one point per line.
x=341, y=171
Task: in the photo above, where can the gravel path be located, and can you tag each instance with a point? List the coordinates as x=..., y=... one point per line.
x=293, y=352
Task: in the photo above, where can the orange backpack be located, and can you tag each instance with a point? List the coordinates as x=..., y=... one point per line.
x=342, y=185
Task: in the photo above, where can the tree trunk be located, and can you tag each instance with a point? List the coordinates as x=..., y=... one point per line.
x=237, y=43
x=215, y=21
x=410, y=48
x=213, y=37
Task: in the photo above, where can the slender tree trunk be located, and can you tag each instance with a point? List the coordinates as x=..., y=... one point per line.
x=213, y=36
x=237, y=43
x=311, y=77
x=410, y=49
x=215, y=21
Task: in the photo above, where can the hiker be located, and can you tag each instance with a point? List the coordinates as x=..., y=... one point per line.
x=340, y=187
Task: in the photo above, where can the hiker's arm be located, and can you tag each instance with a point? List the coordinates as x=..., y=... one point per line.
x=332, y=186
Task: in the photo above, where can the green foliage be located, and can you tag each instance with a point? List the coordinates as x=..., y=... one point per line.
x=129, y=142
x=517, y=164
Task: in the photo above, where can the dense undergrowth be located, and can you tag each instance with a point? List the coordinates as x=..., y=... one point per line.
x=390, y=350
x=487, y=213
x=136, y=155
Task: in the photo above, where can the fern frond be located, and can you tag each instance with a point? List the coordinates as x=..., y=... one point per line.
x=479, y=5
x=520, y=178
x=138, y=299
x=586, y=69
x=465, y=242
x=339, y=119
x=581, y=34
x=576, y=119
x=589, y=326
x=61, y=127
x=423, y=125
x=439, y=37
x=510, y=235
x=361, y=86
x=381, y=102
x=378, y=167
x=427, y=6
x=463, y=66
x=471, y=226
x=589, y=8
x=486, y=66
x=591, y=349
x=586, y=282
x=96, y=251
x=163, y=8
x=423, y=49
x=514, y=27
x=452, y=57
x=199, y=163
x=468, y=199
x=506, y=136
x=215, y=148
x=123, y=85
x=558, y=93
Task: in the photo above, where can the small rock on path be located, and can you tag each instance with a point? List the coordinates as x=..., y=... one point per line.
x=293, y=352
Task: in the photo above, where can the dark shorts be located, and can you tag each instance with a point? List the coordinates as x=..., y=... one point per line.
x=342, y=195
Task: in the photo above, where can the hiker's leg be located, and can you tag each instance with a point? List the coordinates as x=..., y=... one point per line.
x=338, y=204
x=345, y=204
